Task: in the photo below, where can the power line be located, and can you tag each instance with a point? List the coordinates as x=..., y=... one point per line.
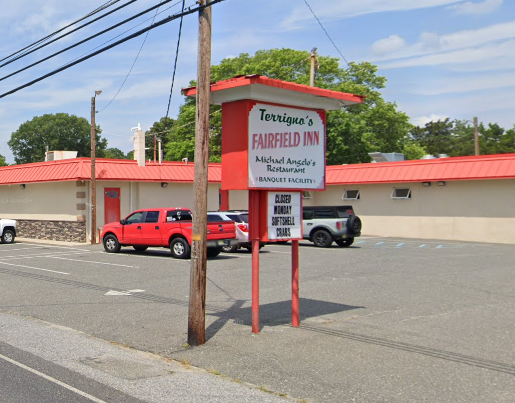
x=85, y=40
x=62, y=36
x=97, y=10
x=124, y=32
x=175, y=64
x=130, y=70
x=132, y=36
x=334, y=44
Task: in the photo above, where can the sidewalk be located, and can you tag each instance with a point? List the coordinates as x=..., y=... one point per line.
x=145, y=376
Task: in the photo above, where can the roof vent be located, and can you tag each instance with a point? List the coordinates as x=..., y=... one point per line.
x=60, y=155
x=386, y=157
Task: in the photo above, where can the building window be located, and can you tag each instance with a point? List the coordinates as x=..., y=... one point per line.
x=351, y=194
x=306, y=194
x=401, y=193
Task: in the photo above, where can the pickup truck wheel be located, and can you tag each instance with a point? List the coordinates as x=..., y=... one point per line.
x=140, y=248
x=345, y=243
x=230, y=248
x=180, y=248
x=353, y=225
x=213, y=252
x=322, y=238
x=8, y=236
x=111, y=244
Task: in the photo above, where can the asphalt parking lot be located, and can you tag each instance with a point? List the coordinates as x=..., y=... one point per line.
x=387, y=320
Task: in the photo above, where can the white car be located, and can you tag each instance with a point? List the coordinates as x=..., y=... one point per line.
x=241, y=219
x=7, y=230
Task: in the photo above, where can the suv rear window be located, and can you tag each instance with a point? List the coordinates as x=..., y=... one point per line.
x=327, y=212
x=239, y=217
x=216, y=217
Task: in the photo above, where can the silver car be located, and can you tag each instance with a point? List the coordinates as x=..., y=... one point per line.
x=241, y=219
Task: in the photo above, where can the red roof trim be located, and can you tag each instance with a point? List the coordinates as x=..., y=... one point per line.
x=483, y=167
x=498, y=166
x=105, y=169
x=240, y=81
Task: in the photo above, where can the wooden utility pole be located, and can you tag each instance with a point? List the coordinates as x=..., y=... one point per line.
x=197, y=305
x=93, y=177
x=312, y=70
x=476, y=137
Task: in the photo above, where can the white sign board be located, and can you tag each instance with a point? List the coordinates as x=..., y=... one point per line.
x=286, y=148
x=284, y=216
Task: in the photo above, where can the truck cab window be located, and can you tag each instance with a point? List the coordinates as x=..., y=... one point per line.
x=152, y=216
x=135, y=218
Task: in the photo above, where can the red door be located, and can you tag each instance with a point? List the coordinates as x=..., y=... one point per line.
x=111, y=205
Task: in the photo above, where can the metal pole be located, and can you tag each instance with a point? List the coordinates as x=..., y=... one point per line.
x=476, y=137
x=197, y=303
x=295, y=309
x=312, y=69
x=254, y=219
x=93, y=178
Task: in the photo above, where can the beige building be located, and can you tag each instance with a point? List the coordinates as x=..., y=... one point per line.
x=460, y=199
x=52, y=200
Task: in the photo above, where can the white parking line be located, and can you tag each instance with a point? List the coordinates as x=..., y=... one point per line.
x=38, y=247
x=89, y=261
x=53, y=380
x=14, y=257
x=33, y=268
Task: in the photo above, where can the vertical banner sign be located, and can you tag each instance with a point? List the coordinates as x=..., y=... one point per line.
x=284, y=216
x=286, y=148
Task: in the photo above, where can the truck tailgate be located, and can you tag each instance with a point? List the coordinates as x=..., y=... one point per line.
x=221, y=230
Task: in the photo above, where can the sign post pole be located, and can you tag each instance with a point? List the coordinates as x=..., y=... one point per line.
x=295, y=309
x=254, y=196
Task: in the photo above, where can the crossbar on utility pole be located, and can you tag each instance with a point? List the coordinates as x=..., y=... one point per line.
x=198, y=275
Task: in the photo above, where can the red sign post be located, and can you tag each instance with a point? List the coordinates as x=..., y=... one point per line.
x=273, y=145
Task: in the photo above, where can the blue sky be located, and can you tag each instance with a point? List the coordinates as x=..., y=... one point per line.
x=442, y=58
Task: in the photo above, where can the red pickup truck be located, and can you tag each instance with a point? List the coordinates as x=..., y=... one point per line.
x=166, y=227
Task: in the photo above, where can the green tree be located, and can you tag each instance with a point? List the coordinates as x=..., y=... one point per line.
x=2, y=161
x=375, y=125
x=412, y=150
x=160, y=130
x=59, y=132
x=115, y=153
x=436, y=137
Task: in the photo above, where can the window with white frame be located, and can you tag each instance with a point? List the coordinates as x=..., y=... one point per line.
x=401, y=193
x=351, y=194
x=306, y=194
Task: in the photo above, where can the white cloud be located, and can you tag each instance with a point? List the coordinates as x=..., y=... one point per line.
x=344, y=9
x=391, y=44
x=422, y=120
x=473, y=57
x=479, y=46
x=477, y=8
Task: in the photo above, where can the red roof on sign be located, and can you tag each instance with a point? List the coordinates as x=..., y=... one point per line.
x=498, y=166
x=266, y=89
x=105, y=169
x=483, y=167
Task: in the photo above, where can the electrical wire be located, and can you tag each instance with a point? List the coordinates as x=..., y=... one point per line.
x=123, y=33
x=132, y=36
x=85, y=40
x=97, y=10
x=327, y=34
x=33, y=49
x=130, y=70
x=175, y=64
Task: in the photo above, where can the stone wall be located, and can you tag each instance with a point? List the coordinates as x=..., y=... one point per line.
x=67, y=231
